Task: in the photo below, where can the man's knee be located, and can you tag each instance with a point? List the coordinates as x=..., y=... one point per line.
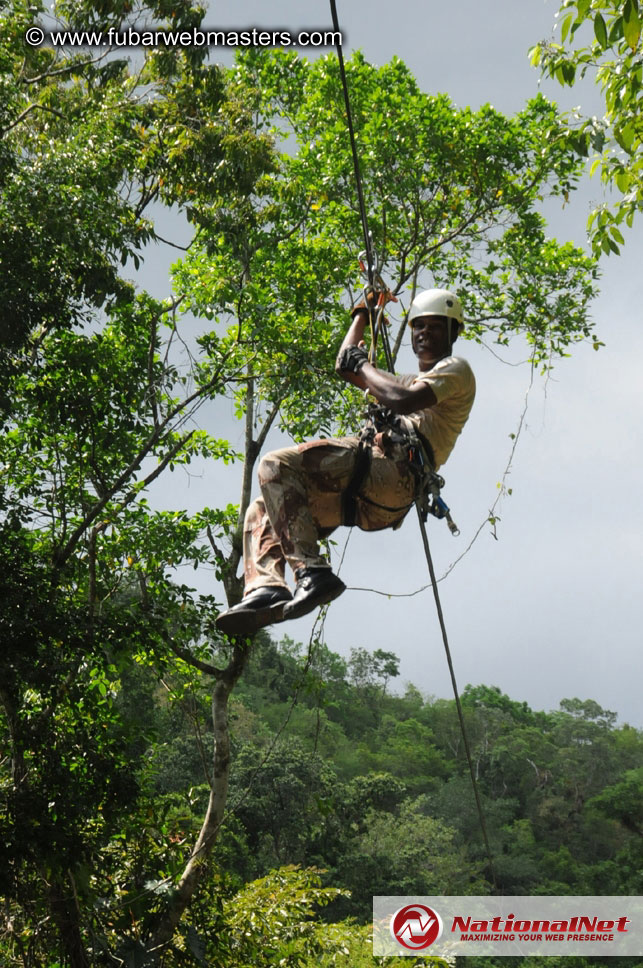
x=272, y=464
x=268, y=469
x=254, y=514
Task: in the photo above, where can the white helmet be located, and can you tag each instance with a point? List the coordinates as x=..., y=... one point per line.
x=436, y=302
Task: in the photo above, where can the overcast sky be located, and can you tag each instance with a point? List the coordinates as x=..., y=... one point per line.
x=551, y=609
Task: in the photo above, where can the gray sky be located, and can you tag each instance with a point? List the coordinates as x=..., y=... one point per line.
x=550, y=609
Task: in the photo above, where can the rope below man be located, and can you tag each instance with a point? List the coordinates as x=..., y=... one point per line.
x=309, y=490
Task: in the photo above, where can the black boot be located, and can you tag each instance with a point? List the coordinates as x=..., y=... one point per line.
x=315, y=586
x=261, y=607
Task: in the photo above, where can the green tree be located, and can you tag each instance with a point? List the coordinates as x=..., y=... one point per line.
x=602, y=39
x=407, y=750
x=406, y=853
x=94, y=406
x=282, y=800
x=449, y=191
x=88, y=143
x=371, y=671
x=271, y=921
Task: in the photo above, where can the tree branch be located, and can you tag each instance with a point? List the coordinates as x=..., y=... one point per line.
x=150, y=370
x=68, y=69
x=159, y=238
x=270, y=419
x=27, y=111
x=62, y=555
x=192, y=660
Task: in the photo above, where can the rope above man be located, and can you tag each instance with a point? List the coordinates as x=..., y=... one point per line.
x=304, y=488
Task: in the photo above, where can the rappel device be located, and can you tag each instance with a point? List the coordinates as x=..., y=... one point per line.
x=370, y=269
x=431, y=500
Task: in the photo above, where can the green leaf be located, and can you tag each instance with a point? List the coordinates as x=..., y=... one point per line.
x=569, y=72
x=535, y=55
x=615, y=31
x=580, y=142
x=631, y=24
x=597, y=139
x=623, y=181
x=600, y=30
x=625, y=137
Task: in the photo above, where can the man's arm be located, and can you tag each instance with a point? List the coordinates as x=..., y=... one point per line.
x=393, y=394
x=384, y=387
x=354, y=337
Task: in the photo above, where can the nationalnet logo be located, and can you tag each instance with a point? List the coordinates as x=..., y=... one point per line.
x=416, y=926
x=458, y=926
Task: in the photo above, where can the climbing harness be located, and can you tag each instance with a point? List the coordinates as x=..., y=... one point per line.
x=427, y=496
x=381, y=427
x=389, y=428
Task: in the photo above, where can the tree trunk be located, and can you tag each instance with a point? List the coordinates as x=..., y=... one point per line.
x=66, y=916
x=252, y=448
x=196, y=867
x=163, y=930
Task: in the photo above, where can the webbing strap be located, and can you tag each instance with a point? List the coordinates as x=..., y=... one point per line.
x=360, y=473
x=404, y=510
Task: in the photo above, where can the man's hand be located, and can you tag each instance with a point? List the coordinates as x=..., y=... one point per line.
x=352, y=356
x=352, y=359
x=373, y=298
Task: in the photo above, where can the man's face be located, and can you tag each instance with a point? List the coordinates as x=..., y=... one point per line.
x=430, y=338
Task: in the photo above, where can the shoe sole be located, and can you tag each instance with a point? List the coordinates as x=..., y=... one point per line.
x=251, y=620
x=310, y=603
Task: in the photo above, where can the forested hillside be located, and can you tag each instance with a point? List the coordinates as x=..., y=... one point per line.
x=344, y=786
x=334, y=769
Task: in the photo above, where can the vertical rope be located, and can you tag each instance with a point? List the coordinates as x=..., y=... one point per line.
x=370, y=268
x=445, y=640
x=425, y=540
x=351, y=132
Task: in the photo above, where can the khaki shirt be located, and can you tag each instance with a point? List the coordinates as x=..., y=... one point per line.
x=454, y=385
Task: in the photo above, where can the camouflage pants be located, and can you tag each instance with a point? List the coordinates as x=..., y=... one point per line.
x=301, y=502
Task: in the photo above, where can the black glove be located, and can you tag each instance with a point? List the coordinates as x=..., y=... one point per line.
x=352, y=359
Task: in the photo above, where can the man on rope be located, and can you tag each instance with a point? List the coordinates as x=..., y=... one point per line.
x=309, y=490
